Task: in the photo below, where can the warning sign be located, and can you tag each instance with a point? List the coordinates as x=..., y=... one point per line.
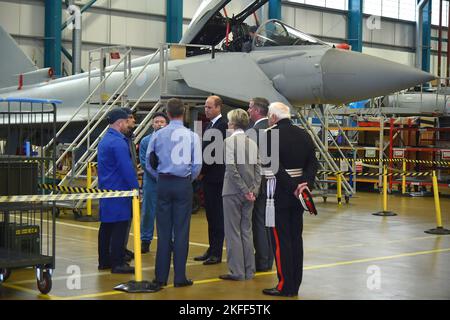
x=398, y=153
x=445, y=154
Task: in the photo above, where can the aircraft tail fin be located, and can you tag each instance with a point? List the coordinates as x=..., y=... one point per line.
x=12, y=60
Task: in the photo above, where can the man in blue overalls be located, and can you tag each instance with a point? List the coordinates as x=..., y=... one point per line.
x=160, y=120
x=115, y=172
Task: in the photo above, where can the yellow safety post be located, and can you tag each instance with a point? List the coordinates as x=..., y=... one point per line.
x=89, y=185
x=138, y=285
x=385, y=189
x=437, y=204
x=385, y=212
x=339, y=188
x=137, y=240
x=88, y=217
x=404, y=177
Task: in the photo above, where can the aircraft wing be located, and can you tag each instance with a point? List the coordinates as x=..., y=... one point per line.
x=232, y=75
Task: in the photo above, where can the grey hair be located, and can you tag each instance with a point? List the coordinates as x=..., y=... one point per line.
x=239, y=118
x=280, y=110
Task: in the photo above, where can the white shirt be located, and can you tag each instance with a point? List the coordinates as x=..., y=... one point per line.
x=258, y=121
x=213, y=121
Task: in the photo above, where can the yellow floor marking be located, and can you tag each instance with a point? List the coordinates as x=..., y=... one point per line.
x=93, y=295
x=274, y=272
x=22, y=289
x=131, y=234
x=411, y=254
x=95, y=274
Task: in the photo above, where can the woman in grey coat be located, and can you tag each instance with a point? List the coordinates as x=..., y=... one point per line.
x=240, y=188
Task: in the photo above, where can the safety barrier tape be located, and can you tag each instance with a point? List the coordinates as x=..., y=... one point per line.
x=442, y=163
x=67, y=197
x=375, y=174
x=72, y=189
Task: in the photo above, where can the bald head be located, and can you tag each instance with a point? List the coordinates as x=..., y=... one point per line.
x=278, y=111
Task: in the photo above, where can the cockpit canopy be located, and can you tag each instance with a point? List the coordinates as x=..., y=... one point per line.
x=226, y=25
x=275, y=33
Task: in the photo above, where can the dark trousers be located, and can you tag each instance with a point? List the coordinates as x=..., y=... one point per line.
x=111, y=237
x=127, y=237
x=288, y=244
x=262, y=239
x=214, y=215
x=173, y=212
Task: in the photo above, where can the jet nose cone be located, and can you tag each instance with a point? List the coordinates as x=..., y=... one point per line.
x=350, y=76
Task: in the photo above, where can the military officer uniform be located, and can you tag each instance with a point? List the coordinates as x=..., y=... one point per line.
x=296, y=165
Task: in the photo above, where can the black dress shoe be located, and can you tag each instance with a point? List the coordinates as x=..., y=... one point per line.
x=229, y=277
x=186, y=283
x=104, y=267
x=263, y=270
x=203, y=257
x=145, y=246
x=212, y=260
x=129, y=255
x=159, y=283
x=123, y=269
x=276, y=292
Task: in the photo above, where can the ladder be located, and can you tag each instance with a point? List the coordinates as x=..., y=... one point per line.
x=326, y=161
x=91, y=152
x=144, y=108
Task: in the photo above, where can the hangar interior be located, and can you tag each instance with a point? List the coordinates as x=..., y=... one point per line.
x=386, y=153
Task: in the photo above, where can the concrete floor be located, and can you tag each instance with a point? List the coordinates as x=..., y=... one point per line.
x=349, y=254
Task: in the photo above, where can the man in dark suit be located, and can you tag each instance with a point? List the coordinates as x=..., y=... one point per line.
x=258, y=108
x=212, y=175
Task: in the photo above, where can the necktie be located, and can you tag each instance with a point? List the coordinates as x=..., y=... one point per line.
x=209, y=126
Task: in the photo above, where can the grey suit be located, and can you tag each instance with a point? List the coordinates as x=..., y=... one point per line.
x=261, y=234
x=242, y=175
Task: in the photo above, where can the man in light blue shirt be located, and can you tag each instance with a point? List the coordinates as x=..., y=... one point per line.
x=174, y=158
x=160, y=120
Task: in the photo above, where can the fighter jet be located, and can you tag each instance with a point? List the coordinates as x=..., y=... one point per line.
x=417, y=103
x=284, y=64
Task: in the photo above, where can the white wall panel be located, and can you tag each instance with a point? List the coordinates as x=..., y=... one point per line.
x=404, y=35
x=314, y=22
x=10, y=17
x=288, y=15
x=300, y=19
x=31, y=22
x=334, y=25
x=137, y=31
x=118, y=29
x=190, y=7
x=367, y=33
x=119, y=4
x=402, y=57
x=156, y=34
x=386, y=34
x=95, y=27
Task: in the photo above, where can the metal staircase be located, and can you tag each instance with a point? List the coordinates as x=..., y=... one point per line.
x=326, y=160
x=101, y=103
x=97, y=120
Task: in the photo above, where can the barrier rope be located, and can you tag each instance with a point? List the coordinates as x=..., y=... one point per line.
x=66, y=197
x=376, y=174
x=441, y=163
x=73, y=189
